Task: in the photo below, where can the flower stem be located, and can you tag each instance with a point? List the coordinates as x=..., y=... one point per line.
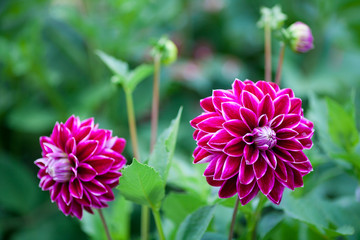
x=280, y=63
x=132, y=123
x=144, y=222
x=158, y=224
x=104, y=224
x=233, y=219
x=254, y=218
x=155, y=101
x=267, y=29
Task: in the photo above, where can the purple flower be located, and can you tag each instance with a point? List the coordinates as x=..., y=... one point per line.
x=253, y=137
x=301, y=38
x=80, y=165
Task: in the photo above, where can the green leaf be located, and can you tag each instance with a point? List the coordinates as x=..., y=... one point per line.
x=342, y=125
x=117, y=217
x=195, y=225
x=269, y=222
x=117, y=66
x=138, y=75
x=163, y=152
x=177, y=206
x=141, y=184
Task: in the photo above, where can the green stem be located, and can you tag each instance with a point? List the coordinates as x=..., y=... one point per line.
x=155, y=101
x=231, y=233
x=158, y=224
x=132, y=123
x=280, y=64
x=254, y=218
x=144, y=222
x=104, y=224
x=267, y=30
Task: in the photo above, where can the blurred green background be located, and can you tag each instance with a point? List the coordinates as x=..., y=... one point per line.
x=48, y=71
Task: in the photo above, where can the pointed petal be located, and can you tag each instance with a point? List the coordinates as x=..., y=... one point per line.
x=220, y=139
x=289, y=144
x=231, y=167
x=211, y=124
x=213, y=182
x=228, y=188
x=252, y=88
x=76, y=188
x=266, y=107
x=70, y=146
x=201, y=118
x=266, y=183
x=280, y=171
x=230, y=110
x=275, y=122
x=266, y=88
x=248, y=117
x=246, y=173
x=251, y=154
x=283, y=155
x=260, y=167
x=250, y=196
x=269, y=158
x=237, y=128
x=276, y=194
x=207, y=104
x=295, y=106
x=86, y=149
x=306, y=142
x=250, y=101
x=219, y=167
x=95, y=187
x=244, y=190
x=286, y=133
x=235, y=148
x=290, y=121
x=86, y=172
x=101, y=164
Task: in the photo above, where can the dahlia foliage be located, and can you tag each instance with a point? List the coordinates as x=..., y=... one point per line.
x=80, y=165
x=252, y=137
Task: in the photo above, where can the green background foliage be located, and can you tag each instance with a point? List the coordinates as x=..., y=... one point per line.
x=49, y=70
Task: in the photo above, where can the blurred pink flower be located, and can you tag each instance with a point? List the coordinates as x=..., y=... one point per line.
x=80, y=165
x=253, y=137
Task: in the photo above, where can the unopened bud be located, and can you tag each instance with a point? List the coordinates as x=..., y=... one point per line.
x=166, y=49
x=300, y=39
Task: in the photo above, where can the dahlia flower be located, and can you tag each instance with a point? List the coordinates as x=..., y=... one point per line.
x=80, y=165
x=252, y=137
x=301, y=38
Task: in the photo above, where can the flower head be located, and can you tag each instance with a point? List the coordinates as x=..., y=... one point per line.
x=301, y=38
x=80, y=165
x=253, y=137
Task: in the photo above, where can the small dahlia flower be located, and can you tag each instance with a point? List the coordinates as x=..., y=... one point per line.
x=80, y=165
x=252, y=137
x=301, y=38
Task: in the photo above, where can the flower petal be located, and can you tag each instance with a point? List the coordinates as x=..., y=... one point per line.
x=266, y=88
x=228, y=188
x=246, y=173
x=269, y=158
x=260, y=167
x=207, y=104
x=86, y=172
x=220, y=139
x=237, y=128
x=275, y=122
x=250, y=101
x=76, y=188
x=211, y=124
x=276, y=194
x=230, y=110
x=235, y=148
x=219, y=167
x=244, y=189
x=231, y=167
x=101, y=164
x=295, y=106
x=70, y=146
x=85, y=149
x=266, y=106
x=266, y=182
x=213, y=182
x=95, y=187
x=283, y=154
x=286, y=133
x=251, y=154
x=290, y=121
x=290, y=144
x=248, y=117
x=250, y=196
x=201, y=118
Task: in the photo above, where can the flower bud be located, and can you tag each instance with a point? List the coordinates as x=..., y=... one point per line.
x=300, y=37
x=166, y=49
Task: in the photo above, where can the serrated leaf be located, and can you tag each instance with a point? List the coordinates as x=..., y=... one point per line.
x=115, y=65
x=342, y=125
x=138, y=75
x=141, y=184
x=195, y=225
x=177, y=206
x=163, y=152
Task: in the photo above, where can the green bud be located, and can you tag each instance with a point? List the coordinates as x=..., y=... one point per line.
x=272, y=16
x=166, y=49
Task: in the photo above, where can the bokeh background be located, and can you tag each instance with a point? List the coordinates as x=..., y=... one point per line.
x=49, y=71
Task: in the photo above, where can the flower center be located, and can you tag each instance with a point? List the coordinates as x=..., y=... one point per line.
x=264, y=138
x=59, y=169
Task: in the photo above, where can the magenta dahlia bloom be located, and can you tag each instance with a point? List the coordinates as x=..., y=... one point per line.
x=80, y=165
x=253, y=137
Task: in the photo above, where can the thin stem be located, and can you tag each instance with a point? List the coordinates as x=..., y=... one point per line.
x=132, y=124
x=144, y=222
x=104, y=224
x=280, y=64
x=267, y=30
x=231, y=233
x=155, y=102
x=158, y=224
